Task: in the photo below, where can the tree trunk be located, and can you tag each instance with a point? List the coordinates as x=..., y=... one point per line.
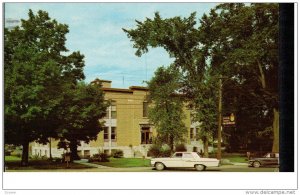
x=25, y=150
x=275, y=147
x=171, y=143
x=73, y=148
x=206, y=147
x=262, y=75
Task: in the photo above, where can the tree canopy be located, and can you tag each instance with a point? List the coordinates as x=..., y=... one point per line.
x=36, y=71
x=83, y=106
x=166, y=110
x=236, y=41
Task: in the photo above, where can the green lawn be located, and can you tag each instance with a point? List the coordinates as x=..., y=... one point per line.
x=13, y=163
x=12, y=158
x=235, y=157
x=126, y=162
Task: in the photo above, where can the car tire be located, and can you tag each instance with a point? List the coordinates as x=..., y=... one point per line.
x=200, y=167
x=159, y=166
x=256, y=164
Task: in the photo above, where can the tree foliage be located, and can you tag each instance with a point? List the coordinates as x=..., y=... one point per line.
x=35, y=72
x=235, y=41
x=166, y=112
x=83, y=106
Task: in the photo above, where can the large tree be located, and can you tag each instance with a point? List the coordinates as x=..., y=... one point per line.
x=205, y=108
x=243, y=45
x=237, y=42
x=84, y=105
x=35, y=71
x=166, y=110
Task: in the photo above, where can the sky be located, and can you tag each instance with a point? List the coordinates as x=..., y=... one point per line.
x=96, y=31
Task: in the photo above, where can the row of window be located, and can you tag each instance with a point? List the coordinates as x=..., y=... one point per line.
x=113, y=110
x=146, y=135
x=113, y=135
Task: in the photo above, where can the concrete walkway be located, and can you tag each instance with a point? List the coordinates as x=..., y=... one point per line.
x=85, y=162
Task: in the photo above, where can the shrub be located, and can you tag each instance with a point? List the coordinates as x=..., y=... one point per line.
x=117, y=153
x=104, y=157
x=158, y=151
x=154, y=151
x=101, y=157
x=17, y=153
x=165, y=153
x=180, y=148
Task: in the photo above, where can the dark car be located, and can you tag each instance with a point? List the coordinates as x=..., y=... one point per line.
x=268, y=159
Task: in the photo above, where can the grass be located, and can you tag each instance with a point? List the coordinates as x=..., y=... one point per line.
x=125, y=162
x=14, y=163
x=12, y=158
x=235, y=157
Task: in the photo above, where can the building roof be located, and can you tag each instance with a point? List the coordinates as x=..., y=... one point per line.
x=100, y=80
x=138, y=88
x=117, y=90
x=130, y=90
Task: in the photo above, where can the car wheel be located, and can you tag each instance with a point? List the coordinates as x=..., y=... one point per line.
x=200, y=167
x=159, y=166
x=256, y=164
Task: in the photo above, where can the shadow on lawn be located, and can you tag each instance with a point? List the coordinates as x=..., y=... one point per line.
x=42, y=164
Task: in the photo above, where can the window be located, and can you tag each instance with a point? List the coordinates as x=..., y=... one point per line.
x=113, y=110
x=86, y=153
x=106, y=113
x=177, y=155
x=146, y=135
x=145, y=109
x=192, y=133
x=187, y=155
x=197, y=133
x=114, y=133
x=105, y=134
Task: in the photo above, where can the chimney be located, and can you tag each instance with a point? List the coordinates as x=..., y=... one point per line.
x=105, y=83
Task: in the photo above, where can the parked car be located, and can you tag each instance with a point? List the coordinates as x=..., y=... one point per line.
x=184, y=160
x=268, y=159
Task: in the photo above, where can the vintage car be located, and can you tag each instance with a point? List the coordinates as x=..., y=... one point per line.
x=268, y=159
x=184, y=160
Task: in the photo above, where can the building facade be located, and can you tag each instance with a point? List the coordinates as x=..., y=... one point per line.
x=127, y=126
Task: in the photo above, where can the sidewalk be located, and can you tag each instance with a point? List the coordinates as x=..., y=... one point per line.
x=84, y=162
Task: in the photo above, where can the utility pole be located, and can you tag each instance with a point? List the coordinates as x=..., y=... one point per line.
x=219, y=119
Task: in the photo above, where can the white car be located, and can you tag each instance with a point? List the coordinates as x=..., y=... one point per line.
x=184, y=160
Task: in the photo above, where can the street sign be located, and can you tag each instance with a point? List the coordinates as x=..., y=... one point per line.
x=229, y=120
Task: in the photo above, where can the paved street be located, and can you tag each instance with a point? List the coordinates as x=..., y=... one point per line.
x=224, y=168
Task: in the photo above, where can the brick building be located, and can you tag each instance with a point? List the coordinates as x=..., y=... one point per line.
x=127, y=126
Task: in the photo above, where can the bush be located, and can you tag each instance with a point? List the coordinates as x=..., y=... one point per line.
x=101, y=157
x=117, y=153
x=180, y=148
x=165, y=153
x=17, y=153
x=154, y=151
x=158, y=151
